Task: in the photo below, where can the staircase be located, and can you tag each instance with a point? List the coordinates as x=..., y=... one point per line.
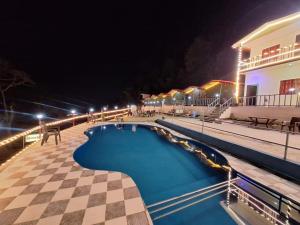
x=215, y=109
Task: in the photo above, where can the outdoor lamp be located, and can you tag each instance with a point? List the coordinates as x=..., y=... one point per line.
x=73, y=111
x=116, y=107
x=39, y=116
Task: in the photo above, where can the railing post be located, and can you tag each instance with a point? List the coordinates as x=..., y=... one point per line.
x=228, y=188
x=203, y=121
x=286, y=145
x=288, y=213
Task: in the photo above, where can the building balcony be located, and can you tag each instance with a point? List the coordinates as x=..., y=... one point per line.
x=279, y=56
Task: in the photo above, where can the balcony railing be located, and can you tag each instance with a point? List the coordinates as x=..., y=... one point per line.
x=270, y=100
x=281, y=55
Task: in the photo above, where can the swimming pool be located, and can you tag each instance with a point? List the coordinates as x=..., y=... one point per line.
x=160, y=169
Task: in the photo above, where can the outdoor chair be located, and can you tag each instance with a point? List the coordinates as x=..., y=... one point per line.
x=295, y=122
x=47, y=132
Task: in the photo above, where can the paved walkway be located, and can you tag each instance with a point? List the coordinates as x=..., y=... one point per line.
x=45, y=186
x=268, y=135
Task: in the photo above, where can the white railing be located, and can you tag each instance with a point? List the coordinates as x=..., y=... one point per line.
x=213, y=105
x=270, y=100
x=283, y=55
x=226, y=104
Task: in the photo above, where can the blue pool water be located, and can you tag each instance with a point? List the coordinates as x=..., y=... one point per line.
x=160, y=169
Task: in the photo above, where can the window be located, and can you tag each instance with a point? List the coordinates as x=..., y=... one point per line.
x=267, y=52
x=289, y=86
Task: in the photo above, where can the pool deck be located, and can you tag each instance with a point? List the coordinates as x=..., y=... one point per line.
x=45, y=186
x=262, y=176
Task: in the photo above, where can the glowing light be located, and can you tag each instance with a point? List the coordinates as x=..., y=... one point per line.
x=104, y=108
x=128, y=106
x=217, y=95
x=292, y=89
x=116, y=107
x=39, y=116
x=91, y=109
x=174, y=99
x=190, y=97
x=73, y=111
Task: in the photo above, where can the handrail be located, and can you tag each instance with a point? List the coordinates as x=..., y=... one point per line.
x=283, y=55
x=213, y=105
x=251, y=198
x=270, y=100
x=190, y=193
x=23, y=134
x=226, y=104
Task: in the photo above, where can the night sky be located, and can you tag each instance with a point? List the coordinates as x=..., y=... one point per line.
x=96, y=50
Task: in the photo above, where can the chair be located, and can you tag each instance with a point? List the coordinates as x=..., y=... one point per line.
x=47, y=132
x=295, y=122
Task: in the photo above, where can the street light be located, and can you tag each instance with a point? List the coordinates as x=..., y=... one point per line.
x=91, y=110
x=73, y=112
x=39, y=116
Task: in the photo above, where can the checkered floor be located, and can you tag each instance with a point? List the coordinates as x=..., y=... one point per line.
x=44, y=185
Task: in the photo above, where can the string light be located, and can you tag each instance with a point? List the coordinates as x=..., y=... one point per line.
x=23, y=134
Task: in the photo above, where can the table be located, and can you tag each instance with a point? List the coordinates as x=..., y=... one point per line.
x=261, y=120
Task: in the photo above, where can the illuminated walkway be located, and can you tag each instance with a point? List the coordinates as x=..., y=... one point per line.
x=44, y=185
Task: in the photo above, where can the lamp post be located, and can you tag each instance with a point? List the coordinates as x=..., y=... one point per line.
x=40, y=116
x=73, y=113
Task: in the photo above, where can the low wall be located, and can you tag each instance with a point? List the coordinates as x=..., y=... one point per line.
x=283, y=113
x=281, y=167
x=168, y=108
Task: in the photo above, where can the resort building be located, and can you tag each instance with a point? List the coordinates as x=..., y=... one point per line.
x=268, y=64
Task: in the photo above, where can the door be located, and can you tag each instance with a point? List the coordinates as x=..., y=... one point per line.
x=251, y=94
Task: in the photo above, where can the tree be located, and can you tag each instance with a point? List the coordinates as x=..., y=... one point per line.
x=11, y=77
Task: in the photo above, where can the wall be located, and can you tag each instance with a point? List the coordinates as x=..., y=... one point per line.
x=284, y=36
x=279, y=113
x=268, y=79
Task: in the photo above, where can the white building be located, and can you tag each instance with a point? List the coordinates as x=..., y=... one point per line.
x=268, y=67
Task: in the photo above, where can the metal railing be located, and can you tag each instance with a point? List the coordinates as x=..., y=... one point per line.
x=226, y=105
x=213, y=105
x=17, y=142
x=270, y=100
x=187, y=199
x=271, y=204
x=285, y=146
x=282, y=55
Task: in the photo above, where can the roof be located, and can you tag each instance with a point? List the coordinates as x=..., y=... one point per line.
x=267, y=28
x=174, y=91
x=190, y=89
x=213, y=83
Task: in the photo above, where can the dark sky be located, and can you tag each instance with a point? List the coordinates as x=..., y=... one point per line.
x=96, y=49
